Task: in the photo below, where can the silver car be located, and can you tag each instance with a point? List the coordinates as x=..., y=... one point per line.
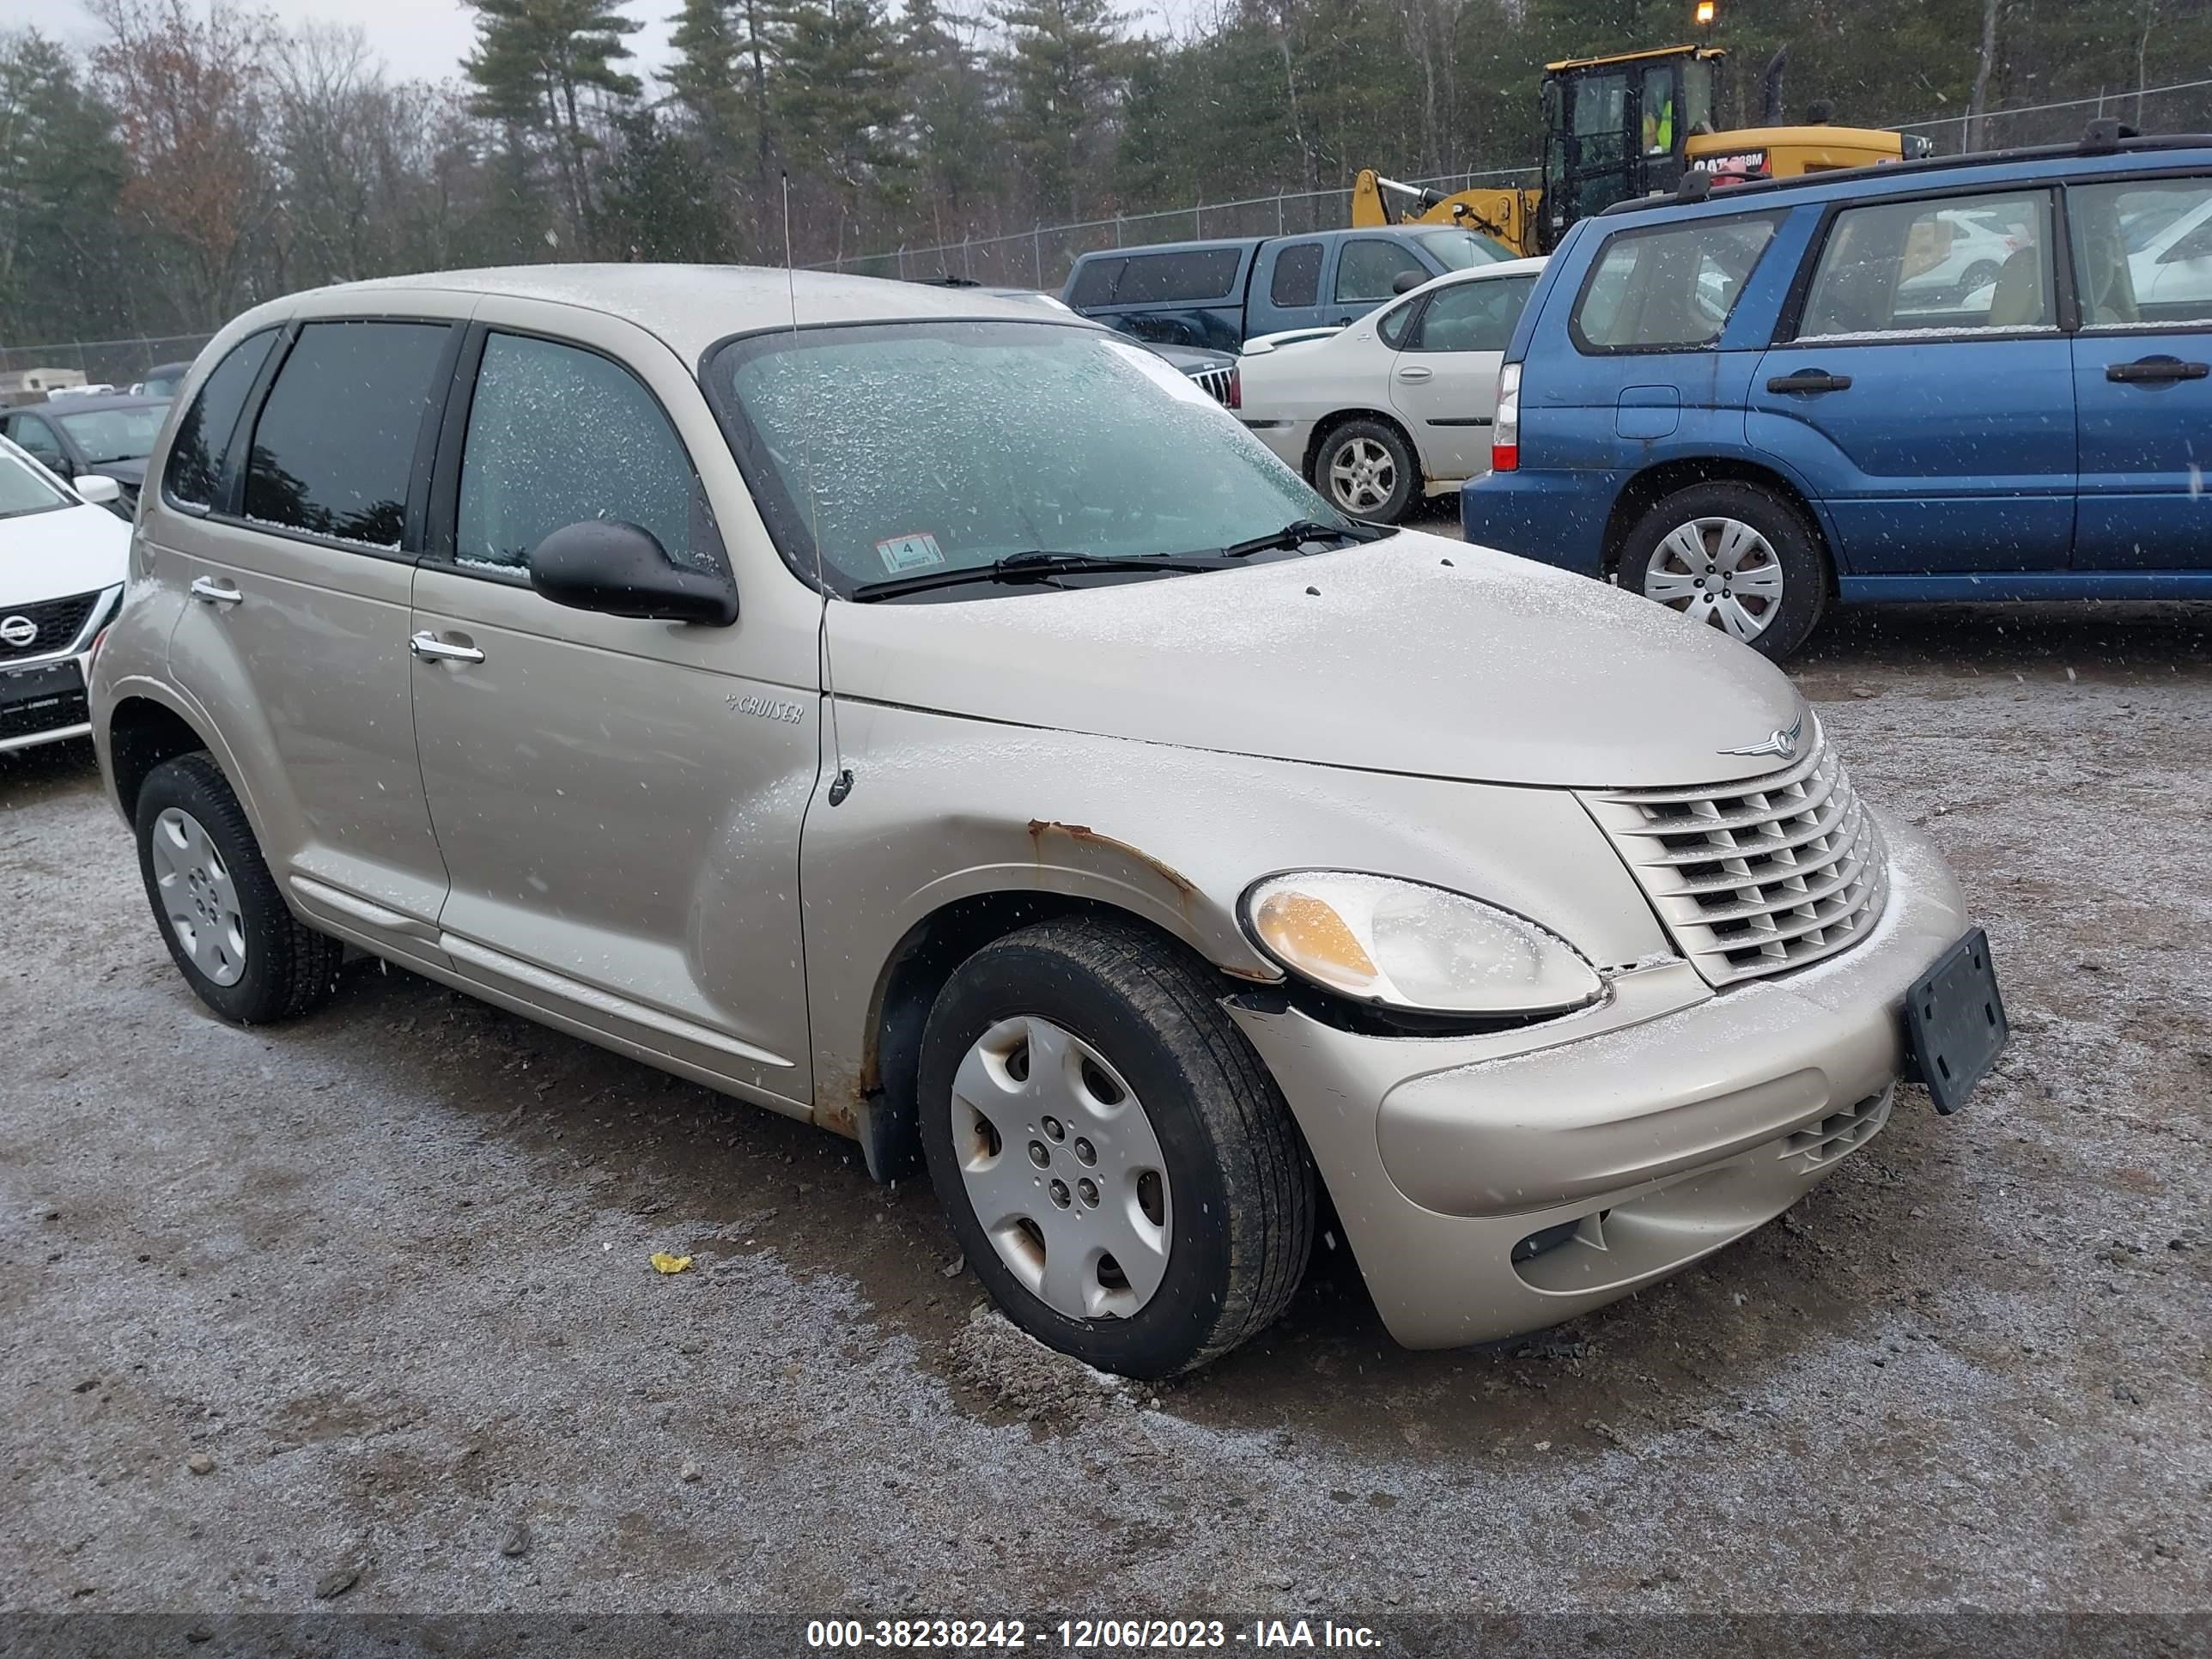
x=936, y=718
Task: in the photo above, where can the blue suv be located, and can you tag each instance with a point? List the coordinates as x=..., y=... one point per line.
x=1976, y=377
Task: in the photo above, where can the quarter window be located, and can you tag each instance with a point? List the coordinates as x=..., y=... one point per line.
x=1972, y=264
x=1472, y=316
x=558, y=435
x=2143, y=251
x=334, y=448
x=1169, y=278
x=1368, y=268
x=196, y=457
x=1297, y=281
x=1670, y=289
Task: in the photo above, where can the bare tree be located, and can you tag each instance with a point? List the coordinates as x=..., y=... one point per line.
x=1977, y=105
x=190, y=92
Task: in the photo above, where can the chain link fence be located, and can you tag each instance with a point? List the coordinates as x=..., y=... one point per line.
x=119, y=363
x=1040, y=257
x=2179, y=107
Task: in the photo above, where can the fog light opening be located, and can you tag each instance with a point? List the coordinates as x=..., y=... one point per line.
x=1547, y=1239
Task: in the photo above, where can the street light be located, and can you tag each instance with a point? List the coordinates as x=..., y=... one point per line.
x=1707, y=14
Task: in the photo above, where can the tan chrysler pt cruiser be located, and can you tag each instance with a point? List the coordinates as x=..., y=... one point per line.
x=930, y=715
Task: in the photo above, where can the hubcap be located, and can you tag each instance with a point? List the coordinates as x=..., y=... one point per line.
x=1063, y=1169
x=1720, y=572
x=199, y=898
x=1361, y=474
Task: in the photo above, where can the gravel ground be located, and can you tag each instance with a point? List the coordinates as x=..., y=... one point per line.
x=361, y=1306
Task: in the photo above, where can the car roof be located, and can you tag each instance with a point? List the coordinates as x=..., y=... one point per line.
x=1499, y=268
x=76, y=405
x=689, y=307
x=2030, y=163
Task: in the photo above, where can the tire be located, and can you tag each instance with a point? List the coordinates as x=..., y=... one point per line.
x=228, y=929
x=1228, y=1223
x=1777, y=611
x=1367, y=468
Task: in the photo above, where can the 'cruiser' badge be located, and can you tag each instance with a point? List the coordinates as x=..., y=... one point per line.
x=1782, y=743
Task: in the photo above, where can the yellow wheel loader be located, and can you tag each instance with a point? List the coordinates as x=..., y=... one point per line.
x=1631, y=125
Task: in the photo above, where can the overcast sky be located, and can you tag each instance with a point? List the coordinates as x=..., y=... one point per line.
x=421, y=39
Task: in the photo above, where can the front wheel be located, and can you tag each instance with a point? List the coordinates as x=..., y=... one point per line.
x=1734, y=556
x=1119, y=1169
x=1367, y=470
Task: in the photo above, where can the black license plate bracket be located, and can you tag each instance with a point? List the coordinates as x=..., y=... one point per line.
x=1955, y=1022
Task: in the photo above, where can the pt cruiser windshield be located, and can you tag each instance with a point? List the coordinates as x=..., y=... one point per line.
x=928, y=450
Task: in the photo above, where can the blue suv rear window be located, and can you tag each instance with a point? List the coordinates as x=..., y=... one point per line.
x=1671, y=287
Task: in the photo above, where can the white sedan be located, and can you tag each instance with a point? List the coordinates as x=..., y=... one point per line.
x=1397, y=403
x=62, y=559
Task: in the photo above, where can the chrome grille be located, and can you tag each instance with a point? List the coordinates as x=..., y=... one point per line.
x=1759, y=877
x=54, y=625
x=1214, y=382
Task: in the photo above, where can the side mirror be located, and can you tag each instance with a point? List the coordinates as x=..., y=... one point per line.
x=1406, y=281
x=621, y=570
x=98, y=489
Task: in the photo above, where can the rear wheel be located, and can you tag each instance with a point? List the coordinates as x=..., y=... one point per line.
x=1367, y=468
x=236, y=942
x=1119, y=1169
x=1734, y=556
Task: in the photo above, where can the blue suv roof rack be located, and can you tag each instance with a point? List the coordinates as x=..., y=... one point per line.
x=2103, y=137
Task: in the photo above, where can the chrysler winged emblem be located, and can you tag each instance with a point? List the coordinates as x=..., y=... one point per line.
x=1782, y=745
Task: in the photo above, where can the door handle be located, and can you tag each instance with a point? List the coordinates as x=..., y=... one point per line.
x=1810, y=380
x=430, y=648
x=2151, y=371
x=207, y=591
x=1416, y=372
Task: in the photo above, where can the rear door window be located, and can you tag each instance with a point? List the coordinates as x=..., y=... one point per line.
x=1472, y=316
x=334, y=448
x=1297, y=281
x=1671, y=287
x=2142, y=252
x=558, y=435
x=1369, y=267
x=1943, y=265
x=203, y=439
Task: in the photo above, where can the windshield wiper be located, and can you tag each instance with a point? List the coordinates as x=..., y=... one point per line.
x=1299, y=531
x=1038, y=564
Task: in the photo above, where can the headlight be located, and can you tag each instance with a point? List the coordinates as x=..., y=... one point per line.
x=1407, y=946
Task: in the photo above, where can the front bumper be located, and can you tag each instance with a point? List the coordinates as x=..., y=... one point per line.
x=1609, y=1148
x=44, y=703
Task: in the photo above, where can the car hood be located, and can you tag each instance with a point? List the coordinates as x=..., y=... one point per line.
x=1415, y=654
x=52, y=556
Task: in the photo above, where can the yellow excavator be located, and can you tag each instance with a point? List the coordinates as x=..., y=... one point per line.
x=1631, y=125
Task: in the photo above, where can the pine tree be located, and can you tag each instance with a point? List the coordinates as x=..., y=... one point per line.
x=1063, y=70
x=951, y=127
x=535, y=66
x=838, y=98
x=658, y=199
x=61, y=174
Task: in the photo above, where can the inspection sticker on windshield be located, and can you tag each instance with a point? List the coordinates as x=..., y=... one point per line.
x=910, y=552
